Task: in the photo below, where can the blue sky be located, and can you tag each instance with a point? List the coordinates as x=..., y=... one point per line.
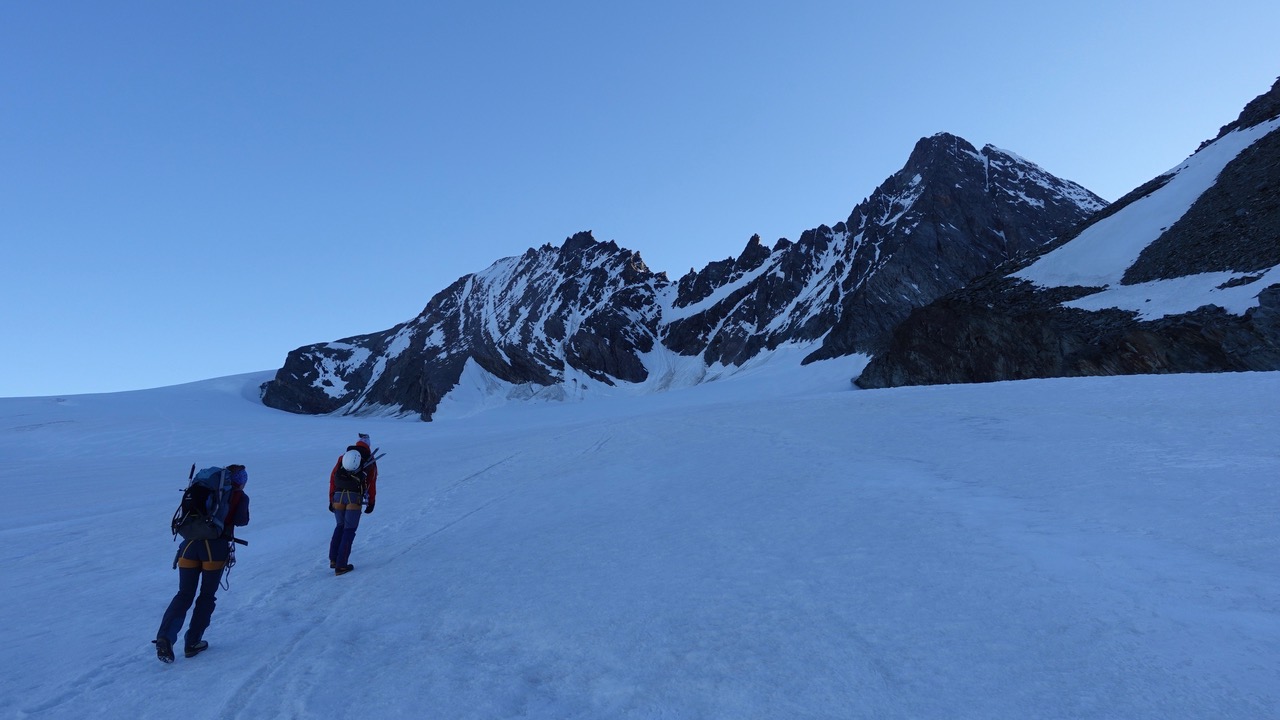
x=191, y=190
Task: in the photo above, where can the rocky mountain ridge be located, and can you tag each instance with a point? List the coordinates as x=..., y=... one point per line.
x=557, y=319
x=1196, y=290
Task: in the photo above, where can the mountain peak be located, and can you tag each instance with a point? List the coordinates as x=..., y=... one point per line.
x=937, y=147
x=579, y=241
x=1180, y=275
x=554, y=322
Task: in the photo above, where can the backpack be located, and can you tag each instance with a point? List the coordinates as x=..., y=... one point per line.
x=357, y=480
x=203, y=511
x=350, y=481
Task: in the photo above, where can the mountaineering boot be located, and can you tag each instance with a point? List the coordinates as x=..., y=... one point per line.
x=195, y=649
x=164, y=650
x=343, y=570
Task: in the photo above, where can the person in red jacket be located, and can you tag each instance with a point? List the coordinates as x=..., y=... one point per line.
x=352, y=482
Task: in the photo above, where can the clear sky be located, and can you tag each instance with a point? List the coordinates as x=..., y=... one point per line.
x=193, y=189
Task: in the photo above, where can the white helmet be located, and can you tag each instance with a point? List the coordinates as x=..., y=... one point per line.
x=351, y=460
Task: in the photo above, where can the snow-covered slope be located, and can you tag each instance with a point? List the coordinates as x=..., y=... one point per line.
x=1101, y=547
x=1100, y=256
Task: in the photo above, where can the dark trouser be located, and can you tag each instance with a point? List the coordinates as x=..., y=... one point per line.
x=344, y=532
x=200, y=567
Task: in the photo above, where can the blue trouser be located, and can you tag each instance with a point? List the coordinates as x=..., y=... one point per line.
x=204, y=554
x=344, y=532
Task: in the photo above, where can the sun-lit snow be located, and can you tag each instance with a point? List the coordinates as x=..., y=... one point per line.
x=769, y=545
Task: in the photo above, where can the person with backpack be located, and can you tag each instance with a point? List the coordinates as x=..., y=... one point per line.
x=352, y=482
x=207, y=520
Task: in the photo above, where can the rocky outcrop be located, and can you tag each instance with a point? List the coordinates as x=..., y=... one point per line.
x=967, y=337
x=1233, y=226
x=974, y=210
x=1225, y=247
x=951, y=214
x=586, y=307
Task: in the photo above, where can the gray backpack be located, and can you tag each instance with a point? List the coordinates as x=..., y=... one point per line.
x=202, y=513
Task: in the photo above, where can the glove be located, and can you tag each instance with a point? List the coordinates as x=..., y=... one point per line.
x=330, y=507
x=368, y=508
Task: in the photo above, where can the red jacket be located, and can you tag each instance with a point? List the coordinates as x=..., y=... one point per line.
x=370, y=473
x=237, y=512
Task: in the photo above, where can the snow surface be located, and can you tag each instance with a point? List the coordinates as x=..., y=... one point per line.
x=1101, y=254
x=1176, y=296
x=773, y=545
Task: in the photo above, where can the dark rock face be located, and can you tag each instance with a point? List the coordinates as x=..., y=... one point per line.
x=974, y=338
x=591, y=310
x=976, y=210
x=586, y=306
x=1259, y=110
x=1004, y=328
x=951, y=214
x=961, y=339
